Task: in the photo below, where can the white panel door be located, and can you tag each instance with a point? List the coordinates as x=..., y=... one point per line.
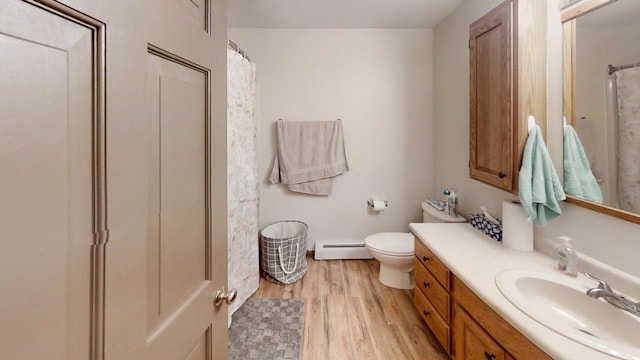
x=112, y=179
x=46, y=177
x=179, y=278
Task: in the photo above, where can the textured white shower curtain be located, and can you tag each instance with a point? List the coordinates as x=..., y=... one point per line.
x=242, y=179
x=628, y=89
x=610, y=167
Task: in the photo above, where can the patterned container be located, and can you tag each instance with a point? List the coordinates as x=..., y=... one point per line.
x=491, y=229
x=283, y=248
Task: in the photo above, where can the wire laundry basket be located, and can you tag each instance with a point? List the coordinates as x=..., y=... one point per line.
x=283, y=247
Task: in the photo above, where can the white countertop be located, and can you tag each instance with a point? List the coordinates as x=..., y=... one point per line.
x=475, y=259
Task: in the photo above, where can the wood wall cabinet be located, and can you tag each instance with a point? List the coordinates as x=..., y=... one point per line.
x=508, y=58
x=466, y=327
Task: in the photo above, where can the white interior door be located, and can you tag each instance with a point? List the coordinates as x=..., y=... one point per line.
x=112, y=194
x=50, y=206
x=179, y=261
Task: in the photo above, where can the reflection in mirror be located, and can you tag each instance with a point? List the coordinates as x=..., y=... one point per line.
x=602, y=104
x=579, y=179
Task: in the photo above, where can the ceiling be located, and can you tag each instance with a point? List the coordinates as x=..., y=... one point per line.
x=308, y=14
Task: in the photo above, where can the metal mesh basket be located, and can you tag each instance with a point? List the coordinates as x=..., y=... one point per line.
x=283, y=247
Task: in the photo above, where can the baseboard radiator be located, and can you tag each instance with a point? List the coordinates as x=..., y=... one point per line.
x=335, y=251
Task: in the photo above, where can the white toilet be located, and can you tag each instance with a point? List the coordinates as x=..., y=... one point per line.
x=394, y=250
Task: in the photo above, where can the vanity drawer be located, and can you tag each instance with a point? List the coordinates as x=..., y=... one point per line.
x=433, y=264
x=438, y=326
x=435, y=293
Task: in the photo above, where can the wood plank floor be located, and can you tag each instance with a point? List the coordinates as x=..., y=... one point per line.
x=349, y=314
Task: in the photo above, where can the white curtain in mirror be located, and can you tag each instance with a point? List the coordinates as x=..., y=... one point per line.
x=610, y=168
x=242, y=179
x=628, y=91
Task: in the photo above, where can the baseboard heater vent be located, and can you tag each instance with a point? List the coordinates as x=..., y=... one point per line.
x=335, y=251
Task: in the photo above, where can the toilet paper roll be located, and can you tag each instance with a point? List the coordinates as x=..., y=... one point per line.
x=517, y=231
x=379, y=205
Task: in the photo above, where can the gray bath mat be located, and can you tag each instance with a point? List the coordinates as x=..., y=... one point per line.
x=267, y=329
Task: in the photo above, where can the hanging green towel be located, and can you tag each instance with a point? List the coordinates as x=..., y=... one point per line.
x=578, y=178
x=539, y=188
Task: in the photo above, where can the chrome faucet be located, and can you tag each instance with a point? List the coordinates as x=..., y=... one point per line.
x=604, y=291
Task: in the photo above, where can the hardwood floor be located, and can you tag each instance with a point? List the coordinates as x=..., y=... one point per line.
x=349, y=314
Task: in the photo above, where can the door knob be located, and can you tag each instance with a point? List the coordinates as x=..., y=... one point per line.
x=224, y=295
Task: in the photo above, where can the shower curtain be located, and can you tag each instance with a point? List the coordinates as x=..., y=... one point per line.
x=242, y=179
x=628, y=89
x=610, y=168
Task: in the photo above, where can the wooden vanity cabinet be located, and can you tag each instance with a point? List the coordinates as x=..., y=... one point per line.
x=466, y=327
x=472, y=342
x=477, y=326
x=507, y=51
x=431, y=293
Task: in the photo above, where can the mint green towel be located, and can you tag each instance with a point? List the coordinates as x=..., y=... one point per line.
x=539, y=188
x=578, y=178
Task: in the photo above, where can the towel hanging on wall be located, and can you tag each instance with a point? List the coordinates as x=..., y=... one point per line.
x=539, y=187
x=309, y=154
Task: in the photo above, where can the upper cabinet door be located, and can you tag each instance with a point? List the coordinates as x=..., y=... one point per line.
x=507, y=49
x=491, y=137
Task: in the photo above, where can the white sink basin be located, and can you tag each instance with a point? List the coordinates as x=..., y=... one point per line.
x=561, y=304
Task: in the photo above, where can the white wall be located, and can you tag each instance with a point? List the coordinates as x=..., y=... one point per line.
x=604, y=238
x=380, y=83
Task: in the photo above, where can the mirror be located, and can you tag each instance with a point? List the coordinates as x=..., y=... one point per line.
x=602, y=104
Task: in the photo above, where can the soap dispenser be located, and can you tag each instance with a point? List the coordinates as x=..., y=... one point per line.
x=567, y=258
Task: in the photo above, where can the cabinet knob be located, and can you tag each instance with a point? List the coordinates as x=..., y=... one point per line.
x=501, y=175
x=489, y=356
x=425, y=284
x=425, y=258
x=426, y=313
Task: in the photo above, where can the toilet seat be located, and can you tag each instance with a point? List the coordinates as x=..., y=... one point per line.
x=391, y=243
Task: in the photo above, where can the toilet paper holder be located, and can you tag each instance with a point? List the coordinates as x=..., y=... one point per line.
x=370, y=203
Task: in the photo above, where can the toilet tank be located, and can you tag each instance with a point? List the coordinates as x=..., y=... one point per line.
x=433, y=215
